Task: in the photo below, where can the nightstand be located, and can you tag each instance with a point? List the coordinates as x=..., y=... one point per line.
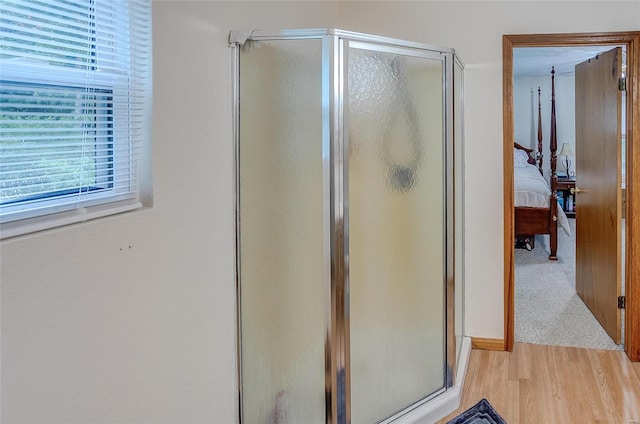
x=567, y=199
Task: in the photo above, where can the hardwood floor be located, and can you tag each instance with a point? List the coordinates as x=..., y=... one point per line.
x=554, y=384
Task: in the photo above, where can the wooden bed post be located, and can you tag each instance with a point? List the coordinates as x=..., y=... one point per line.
x=553, y=181
x=540, y=154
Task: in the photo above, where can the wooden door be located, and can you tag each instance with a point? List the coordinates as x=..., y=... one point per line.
x=598, y=175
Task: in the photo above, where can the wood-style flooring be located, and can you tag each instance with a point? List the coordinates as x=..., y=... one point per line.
x=552, y=384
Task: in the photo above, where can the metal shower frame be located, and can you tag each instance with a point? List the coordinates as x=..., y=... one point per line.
x=335, y=145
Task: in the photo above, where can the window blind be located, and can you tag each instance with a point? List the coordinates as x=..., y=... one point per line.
x=75, y=89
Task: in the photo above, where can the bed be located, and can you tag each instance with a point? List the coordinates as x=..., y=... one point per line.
x=536, y=201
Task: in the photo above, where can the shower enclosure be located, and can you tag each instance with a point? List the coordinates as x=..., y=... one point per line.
x=349, y=218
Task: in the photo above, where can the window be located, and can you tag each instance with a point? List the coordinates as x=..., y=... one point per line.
x=74, y=110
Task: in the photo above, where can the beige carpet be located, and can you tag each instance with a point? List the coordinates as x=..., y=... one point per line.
x=547, y=309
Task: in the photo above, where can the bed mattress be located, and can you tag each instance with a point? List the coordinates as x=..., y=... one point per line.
x=531, y=189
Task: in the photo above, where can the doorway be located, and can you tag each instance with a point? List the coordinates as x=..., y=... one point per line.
x=631, y=41
x=550, y=309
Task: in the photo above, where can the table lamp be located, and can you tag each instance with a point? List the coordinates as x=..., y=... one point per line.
x=566, y=151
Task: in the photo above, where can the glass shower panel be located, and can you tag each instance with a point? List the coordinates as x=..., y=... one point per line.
x=397, y=229
x=458, y=153
x=281, y=254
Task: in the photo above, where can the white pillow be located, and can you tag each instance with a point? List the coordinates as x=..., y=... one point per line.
x=520, y=158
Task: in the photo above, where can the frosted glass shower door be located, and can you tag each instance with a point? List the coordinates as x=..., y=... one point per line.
x=397, y=229
x=281, y=257
x=458, y=141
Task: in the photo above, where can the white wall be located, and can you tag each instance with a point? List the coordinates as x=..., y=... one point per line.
x=131, y=318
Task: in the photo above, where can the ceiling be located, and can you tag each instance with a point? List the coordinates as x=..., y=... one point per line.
x=537, y=61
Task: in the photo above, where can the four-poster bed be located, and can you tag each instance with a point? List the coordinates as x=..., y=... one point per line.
x=536, y=201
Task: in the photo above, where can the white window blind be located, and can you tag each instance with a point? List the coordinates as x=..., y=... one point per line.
x=75, y=89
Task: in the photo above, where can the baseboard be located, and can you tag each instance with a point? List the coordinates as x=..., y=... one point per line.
x=487, y=344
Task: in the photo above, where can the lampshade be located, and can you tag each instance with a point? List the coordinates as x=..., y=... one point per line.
x=566, y=150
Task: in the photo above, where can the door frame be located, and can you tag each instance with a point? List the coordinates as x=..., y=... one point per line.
x=632, y=227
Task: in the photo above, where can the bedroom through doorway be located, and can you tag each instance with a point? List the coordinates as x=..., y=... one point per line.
x=548, y=308
x=631, y=40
